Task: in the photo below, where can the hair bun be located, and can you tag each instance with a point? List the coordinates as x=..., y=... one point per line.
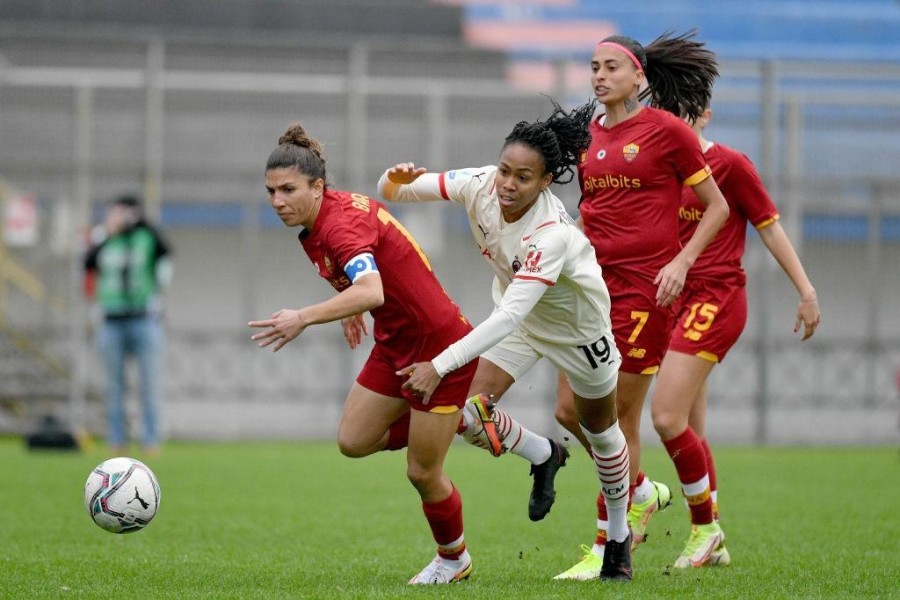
x=297, y=136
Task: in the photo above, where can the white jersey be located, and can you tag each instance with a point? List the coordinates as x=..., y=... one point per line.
x=544, y=266
x=543, y=246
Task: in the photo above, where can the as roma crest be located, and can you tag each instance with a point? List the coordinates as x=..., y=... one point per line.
x=630, y=152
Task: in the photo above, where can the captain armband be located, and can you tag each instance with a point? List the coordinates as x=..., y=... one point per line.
x=359, y=266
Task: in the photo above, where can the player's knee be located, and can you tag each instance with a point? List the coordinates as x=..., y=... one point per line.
x=351, y=446
x=420, y=476
x=668, y=424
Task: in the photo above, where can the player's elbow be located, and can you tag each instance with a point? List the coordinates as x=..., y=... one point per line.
x=509, y=321
x=374, y=297
x=385, y=187
x=722, y=209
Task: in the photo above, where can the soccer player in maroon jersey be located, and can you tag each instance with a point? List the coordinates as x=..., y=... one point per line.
x=376, y=265
x=631, y=179
x=713, y=305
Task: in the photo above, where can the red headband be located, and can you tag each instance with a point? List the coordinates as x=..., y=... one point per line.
x=628, y=53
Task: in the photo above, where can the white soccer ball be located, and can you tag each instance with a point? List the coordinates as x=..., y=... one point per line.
x=121, y=495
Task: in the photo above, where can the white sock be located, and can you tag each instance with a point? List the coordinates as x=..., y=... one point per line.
x=521, y=441
x=610, y=452
x=643, y=492
x=599, y=548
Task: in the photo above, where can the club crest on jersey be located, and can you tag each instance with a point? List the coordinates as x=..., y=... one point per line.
x=516, y=264
x=630, y=152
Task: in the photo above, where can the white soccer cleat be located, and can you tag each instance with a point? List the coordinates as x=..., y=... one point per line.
x=443, y=570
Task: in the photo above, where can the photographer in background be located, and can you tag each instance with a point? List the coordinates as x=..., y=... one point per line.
x=131, y=268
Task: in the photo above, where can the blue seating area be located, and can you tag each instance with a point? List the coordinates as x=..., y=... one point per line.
x=736, y=29
x=846, y=148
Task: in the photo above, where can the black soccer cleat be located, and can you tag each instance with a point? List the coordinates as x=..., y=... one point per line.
x=542, y=492
x=616, y=561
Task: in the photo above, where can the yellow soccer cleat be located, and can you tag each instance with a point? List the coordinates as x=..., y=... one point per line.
x=704, y=541
x=639, y=514
x=587, y=568
x=482, y=409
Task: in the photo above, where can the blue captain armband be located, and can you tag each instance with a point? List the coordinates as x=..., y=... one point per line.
x=360, y=265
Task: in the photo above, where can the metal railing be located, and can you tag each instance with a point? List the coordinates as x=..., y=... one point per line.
x=370, y=120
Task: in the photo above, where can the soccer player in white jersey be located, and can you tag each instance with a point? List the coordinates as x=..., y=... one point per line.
x=550, y=297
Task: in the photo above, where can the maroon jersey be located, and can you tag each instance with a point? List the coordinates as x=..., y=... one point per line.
x=748, y=201
x=350, y=224
x=631, y=179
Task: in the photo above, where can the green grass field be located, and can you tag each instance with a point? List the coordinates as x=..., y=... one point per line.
x=298, y=520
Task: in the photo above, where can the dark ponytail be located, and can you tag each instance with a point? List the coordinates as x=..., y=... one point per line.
x=560, y=139
x=680, y=72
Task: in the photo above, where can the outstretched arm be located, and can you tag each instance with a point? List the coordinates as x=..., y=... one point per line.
x=405, y=182
x=365, y=294
x=517, y=302
x=776, y=240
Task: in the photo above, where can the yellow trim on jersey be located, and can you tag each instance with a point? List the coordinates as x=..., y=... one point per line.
x=708, y=356
x=443, y=410
x=699, y=176
x=767, y=222
x=650, y=370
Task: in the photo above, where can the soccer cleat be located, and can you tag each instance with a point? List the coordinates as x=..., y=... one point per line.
x=720, y=556
x=639, y=514
x=442, y=570
x=543, y=493
x=704, y=540
x=587, y=568
x=616, y=560
x=482, y=409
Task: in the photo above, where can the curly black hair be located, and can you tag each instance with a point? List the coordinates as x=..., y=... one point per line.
x=560, y=139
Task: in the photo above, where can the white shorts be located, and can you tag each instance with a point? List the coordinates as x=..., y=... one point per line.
x=592, y=369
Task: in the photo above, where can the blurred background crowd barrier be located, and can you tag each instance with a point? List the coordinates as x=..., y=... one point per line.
x=184, y=105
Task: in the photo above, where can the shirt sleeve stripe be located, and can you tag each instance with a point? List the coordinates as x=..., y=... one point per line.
x=443, y=186
x=699, y=176
x=767, y=222
x=528, y=237
x=533, y=278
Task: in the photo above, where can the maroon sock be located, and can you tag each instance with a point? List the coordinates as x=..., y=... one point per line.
x=710, y=465
x=711, y=469
x=446, y=521
x=398, y=433
x=601, y=516
x=686, y=452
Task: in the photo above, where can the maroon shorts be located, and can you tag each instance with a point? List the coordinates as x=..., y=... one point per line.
x=379, y=372
x=711, y=317
x=641, y=327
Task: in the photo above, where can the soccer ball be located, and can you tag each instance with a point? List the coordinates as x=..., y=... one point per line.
x=121, y=495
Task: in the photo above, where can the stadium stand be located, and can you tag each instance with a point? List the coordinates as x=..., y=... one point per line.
x=236, y=72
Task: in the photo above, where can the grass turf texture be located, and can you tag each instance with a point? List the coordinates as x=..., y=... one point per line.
x=298, y=520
